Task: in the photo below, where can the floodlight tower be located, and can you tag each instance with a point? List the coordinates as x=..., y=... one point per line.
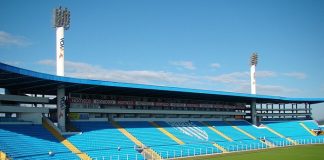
x=254, y=62
x=61, y=23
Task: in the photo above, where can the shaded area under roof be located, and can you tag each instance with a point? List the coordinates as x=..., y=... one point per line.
x=27, y=81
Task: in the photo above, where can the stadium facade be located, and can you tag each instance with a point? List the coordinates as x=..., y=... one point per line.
x=103, y=119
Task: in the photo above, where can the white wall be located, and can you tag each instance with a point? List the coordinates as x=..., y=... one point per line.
x=36, y=118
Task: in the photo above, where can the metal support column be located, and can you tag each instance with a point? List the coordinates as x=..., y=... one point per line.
x=253, y=113
x=292, y=110
x=279, y=111
x=267, y=110
x=284, y=107
x=61, y=106
x=272, y=110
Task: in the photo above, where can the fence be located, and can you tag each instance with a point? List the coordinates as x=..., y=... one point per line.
x=190, y=152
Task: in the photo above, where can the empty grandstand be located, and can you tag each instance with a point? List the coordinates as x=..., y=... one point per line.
x=111, y=120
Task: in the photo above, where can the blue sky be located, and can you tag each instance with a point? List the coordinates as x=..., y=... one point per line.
x=184, y=43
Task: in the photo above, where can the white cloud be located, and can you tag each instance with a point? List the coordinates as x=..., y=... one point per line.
x=233, y=82
x=297, y=75
x=13, y=63
x=6, y=39
x=318, y=112
x=265, y=74
x=266, y=89
x=184, y=64
x=84, y=70
x=241, y=77
x=235, y=77
x=240, y=82
x=215, y=65
x=276, y=89
x=47, y=62
x=322, y=88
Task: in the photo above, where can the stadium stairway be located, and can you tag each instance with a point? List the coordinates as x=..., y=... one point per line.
x=249, y=135
x=312, y=124
x=216, y=131
x=64, y=141
x=280, y=135
x=307, y=129
x=163, y=144
x=101, y=140
x=268, y=143
x=220, y=148
x=240, y=130
x=260, y=133
x=295, y=131
x=191, y=134
x=147, y=152
x=167, y=133
x=239, y=139
x=32, y=141
x=3, y=156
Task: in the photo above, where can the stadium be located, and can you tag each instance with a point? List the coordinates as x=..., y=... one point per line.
x=44, y=116
x=111, y=120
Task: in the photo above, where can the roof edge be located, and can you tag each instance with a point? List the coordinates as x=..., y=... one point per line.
x=47, y=76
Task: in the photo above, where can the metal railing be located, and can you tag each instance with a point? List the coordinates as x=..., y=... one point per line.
x=190, y=152
x=183, y=153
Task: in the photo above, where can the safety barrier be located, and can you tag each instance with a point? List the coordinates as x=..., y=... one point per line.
x=212, y=150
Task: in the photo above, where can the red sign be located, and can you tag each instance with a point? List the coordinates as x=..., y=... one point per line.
x=144, y=103
x=192, y=105
x=177, y=104
x=80, y=100
x=163, y=104
x=125, y=103
x=102, y=101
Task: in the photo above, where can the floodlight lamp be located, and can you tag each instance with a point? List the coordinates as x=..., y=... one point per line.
x=61, y=17
x=254, y=59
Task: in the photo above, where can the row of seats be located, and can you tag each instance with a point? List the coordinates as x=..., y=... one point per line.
x=294, y=130
x=101, y=140
x=260, y=133
x=197, y=135
x=26, y=141
x=187, y=128
x=239, y=139
x=153, y=138
x=311, y=124
x=197, y=138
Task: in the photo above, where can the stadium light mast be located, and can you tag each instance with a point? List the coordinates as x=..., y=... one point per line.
x=61, y=22
x=254, y=62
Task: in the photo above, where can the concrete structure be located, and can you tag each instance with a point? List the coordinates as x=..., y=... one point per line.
x=254, y=62
x=61, y=23
x=89, y=99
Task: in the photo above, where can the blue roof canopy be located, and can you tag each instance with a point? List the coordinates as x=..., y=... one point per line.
x=26, y=81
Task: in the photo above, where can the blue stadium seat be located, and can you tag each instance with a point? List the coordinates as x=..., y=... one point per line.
x=100, y=140
x=162, y=144
x=260, y=132
x=240, y=140
x=22, y=141
x=311, y=124
x=293, y=130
